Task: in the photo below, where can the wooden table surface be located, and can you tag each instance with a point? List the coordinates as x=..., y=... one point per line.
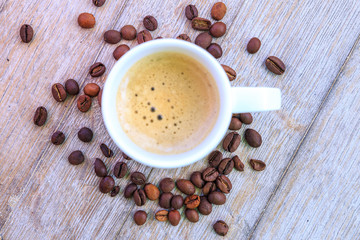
x=310, y=188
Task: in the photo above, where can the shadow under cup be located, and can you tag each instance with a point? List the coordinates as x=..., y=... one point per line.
x=137, y=153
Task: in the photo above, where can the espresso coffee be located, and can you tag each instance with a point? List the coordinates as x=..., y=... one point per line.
x=167, y=103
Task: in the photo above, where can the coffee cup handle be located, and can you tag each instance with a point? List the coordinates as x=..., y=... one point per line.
x=255, y=99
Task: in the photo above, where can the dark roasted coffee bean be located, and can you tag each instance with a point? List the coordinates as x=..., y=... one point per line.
x=128, y=32
x=226, y=166
x=112, y=36
x=203, y=40
x=98, y=3
x=205, y=207
x=166, y=185
x=85, y=134
x=26, y=33
x=139, y=197
x=208, y=188
x=58, y=91
x=144, y=36
x=231, y=141
x=223, y=183
x=238, y=164
x=92, y=89
x=120, y=51
x=165, y=200
x=86, y=20
x=138, y=178
x=215, y=158
x=218, y=11
x=218, y=29
x=100, y=168
x=162, y=215
x=253, y=45
x=177, y=201
x=174, y=217
x=221, y=228
x=217, y=198
x=246, y=118
x=126, y=156
x=58, y=138
x=253, y=138
x=184, y=37
x=185, y=186
x=201, y=24
x=120, y=169
x=72, y=87
x=257, y=165
x=210, y=174
x=275, y=65
x=229, y=72
x=151, y=191
x=115, y=191
x=106, y=150
x=129, y=190
x=97, y=69
x=192, y=215
x=192, y=201
x=84, y=103
x=140, y=217
x=196, y=179
x=40, y=116
x=235, y=124
x=76, y=158
x=150, y=23
x=106, y=184
x=215, y=50
x=191, y=12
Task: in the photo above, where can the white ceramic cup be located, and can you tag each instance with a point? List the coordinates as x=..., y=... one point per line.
x=232, y=100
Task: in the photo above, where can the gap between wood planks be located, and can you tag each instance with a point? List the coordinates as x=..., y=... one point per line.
x=277, y=186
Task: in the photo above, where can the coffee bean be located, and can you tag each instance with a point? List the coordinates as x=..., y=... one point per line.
x=245, y=118
x=185, y=186
x=85, y=134
x=165, y=200
x=58, y=138
x=126, y=156
x=76, y=158
x=196, y=179
x=184, y=37
x=106, y=150
x=205, y=207
x=215, y=50
x=84, y=103
x=151, y=191
x=210, y=174
x=150, y=23
x=235, y=124
x=115, y=191
x=140, y=217
x=128, y=32
x=253, y=45
x=167, y=185
x=226, y=166
x=177, y=201
x=203, y=40
x=201, y=24
x=106, y=184
x=144, y=36
x=229, y=72
x=138, y=178
x=26, y=33
x=174, y=217
x=218, y=11
x=257, y=165
x=120, y=169
x=98, y=3
x=92, y=89
x=208, y=188
x=192, y=201
x=162, y=215
x=192, y=215
x=100, y=168
x=112, y=36
x=129, y=190
x=218, y=29
x=231, y=141
x=253, y=138
x=86, y=20
x=99, y=96
x=58, y=91
x=238, y=164
x=120, y=51
x=223, y=183
x=160, y=37
x=97, y=69
x=275, y=65
x=217, y=198
x=40, y=116
x=139, y=197
x=191, y=12
x=215, y=158
x=221, y=228
x=72, y=87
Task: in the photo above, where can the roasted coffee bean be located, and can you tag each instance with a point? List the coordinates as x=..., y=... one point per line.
x=192, y=201
x=85, y=134
x=106, y=150
x=160, y=37
x=174, y=217
x=203, y=40
x=238, y=164
x=140, y=217
x=128, y=32
x=184, y=37
x=86, y=20
x=235, y=124
x=58, y=91
x=58, y=138
x=72, y=87
x=126, y=156
x=112, y=36
x=217, y=198
x=92, y=89
x=106, y=184
x=253, y=138
x=215, y=50
x=201, y=24
x=257, y=165
x=185, y=186
x=205, y=207
x=76, y=158
x=120, y=169
x=166, y=185
x=218, y=11
x=253, y=45
x=151, y=191
x=26, y=33
x=221, y=228
x=208, y=188
x=150, y=23
x=191, y=12
x=177, y=201
x=229, y=72
x=215, y=158
x=129, y=190
x=210, y=174
x=99, y=96
x=138, y=178
x=245, y=118
x=120, y=51
x=162, y=215
x=100, y=168
x=84, y=103
x=97, y=69
x=139, y=197
x=144, y=36
x=231, y=141
x=165, y=200
x=226, y=166
x=275, y=65
x=218, y=29
x=115, y=191
x=196, y=179
x=192, y=215
x=40, y=116
x=98, y=3
x=223, y=183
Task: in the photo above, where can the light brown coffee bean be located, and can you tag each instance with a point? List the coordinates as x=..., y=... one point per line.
x=86, y=20
x=192, y=201
x=257, y=165
x=120, y=51
x=92, y=89
x=162, y=215
x=201, y=24
x=218, y=11
x=128, y=32
x=151, y=191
